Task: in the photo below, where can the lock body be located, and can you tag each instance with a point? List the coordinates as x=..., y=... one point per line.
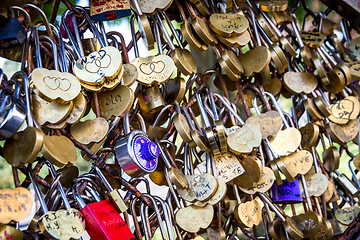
x=288, y=192
x=12, y=33
x=13, y=119
x=101, y=10
x=104, y=222
x=136, y=154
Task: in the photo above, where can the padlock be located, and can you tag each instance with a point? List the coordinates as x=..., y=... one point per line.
x=102, y=219
x=156, y=132
x=151, y=100
x=105, y=10
x=135, y=152
x=114, y=194
x=347, y=183
x=15, y=112
x=12, y=33
x=288, y=192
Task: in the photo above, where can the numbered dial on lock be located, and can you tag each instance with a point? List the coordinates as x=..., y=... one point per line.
x=136, y=154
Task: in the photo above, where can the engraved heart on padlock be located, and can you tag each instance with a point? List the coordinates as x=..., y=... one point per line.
x=186, y=220
x=150, y=67
x=298, y=163
x=297, y=82
x=286, y=141
x=263, y=185
x=55, y=85
x=347, y=215
x=269, y=123
x=344, y=110
x=15, y=204
x=255, y=60
x=226, y=24
x=154, y=69
x=63, y=224
x=92, y=130
x=93, y=69
x=203, y=185
x=249, y=213
x=244, y=139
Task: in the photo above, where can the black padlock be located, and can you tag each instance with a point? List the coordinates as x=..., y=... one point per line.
x=12, y=33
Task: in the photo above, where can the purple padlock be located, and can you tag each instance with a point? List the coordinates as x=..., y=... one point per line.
x=288, y=192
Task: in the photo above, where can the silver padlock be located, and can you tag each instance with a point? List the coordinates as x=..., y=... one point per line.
x=135, y=152
x=15, y=112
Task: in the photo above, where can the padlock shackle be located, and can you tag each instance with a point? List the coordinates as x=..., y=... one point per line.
x=55, y=175
x=227, y=105
x=132, y=29
x=103, y=179
x=36, y=187
x=43, y=17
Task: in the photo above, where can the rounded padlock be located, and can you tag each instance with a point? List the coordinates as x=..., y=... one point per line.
x=137, y=154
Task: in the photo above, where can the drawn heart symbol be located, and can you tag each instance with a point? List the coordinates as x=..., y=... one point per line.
x=345, y=109
x=15, y=204
x=192, y=218
x=298, y=82
x=226, y=24
x=248, y=214
x=63, y=224
x=54, y=85
x=94, y=68
x=244, y=139
x=255, y=60
x=347, y=215
x=97, y=63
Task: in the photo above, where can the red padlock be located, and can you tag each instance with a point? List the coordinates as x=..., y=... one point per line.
x=102, y=219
